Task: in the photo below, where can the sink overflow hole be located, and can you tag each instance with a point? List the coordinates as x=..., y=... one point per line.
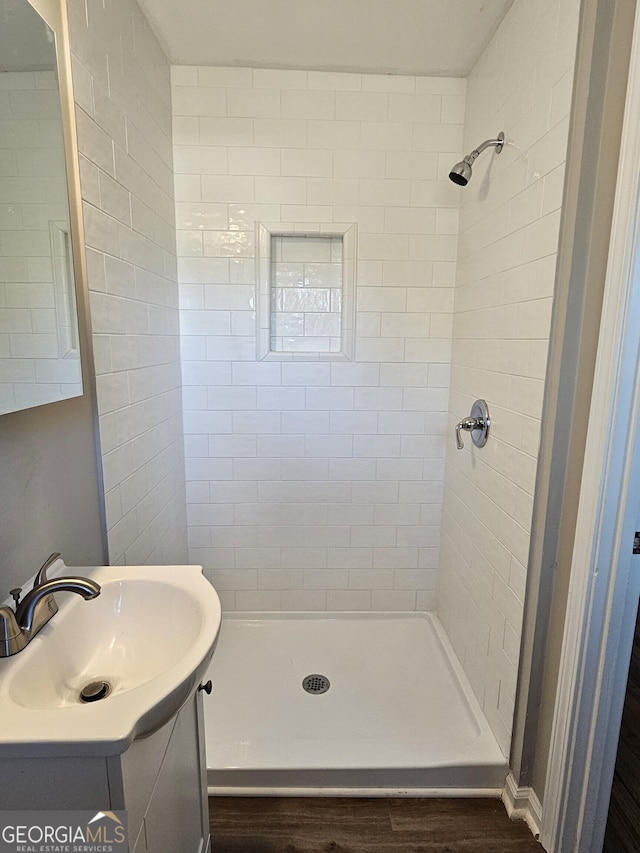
x=94, y=691
x=316, y=684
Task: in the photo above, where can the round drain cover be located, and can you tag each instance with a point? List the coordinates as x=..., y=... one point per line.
x=95, y=690
x=316, y=683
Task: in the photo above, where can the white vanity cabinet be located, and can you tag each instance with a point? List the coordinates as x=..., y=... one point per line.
x=148, y=636
x=160, y=780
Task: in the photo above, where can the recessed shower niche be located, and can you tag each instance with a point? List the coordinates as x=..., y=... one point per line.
x=306, y=283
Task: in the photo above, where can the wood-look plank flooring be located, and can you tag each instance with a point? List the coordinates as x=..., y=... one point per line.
x=623, y=823
x=352, y=825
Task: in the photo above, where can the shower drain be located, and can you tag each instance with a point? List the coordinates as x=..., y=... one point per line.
x=316, y=684
x=94, y=691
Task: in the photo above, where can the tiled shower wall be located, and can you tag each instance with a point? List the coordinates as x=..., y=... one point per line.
x=122, y=91
x=509, y=227
x=317, y=485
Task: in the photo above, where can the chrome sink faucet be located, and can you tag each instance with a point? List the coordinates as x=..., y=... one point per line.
x=18, y=628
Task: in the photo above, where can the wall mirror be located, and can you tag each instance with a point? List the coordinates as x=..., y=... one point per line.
x=40, y=229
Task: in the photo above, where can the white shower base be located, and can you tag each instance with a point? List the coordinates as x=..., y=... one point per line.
x=399, y=716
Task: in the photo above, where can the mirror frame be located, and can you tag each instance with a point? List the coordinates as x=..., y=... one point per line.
x=54, y=13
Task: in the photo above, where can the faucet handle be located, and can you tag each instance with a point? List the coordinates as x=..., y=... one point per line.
x=41, y=577
x=12, y=639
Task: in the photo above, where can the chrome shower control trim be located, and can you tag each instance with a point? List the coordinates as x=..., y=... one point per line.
x=477, y=424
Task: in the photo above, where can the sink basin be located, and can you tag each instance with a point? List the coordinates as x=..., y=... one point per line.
x=149, y=635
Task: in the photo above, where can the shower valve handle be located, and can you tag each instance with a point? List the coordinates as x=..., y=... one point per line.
x=477, y=424
x=466, y=424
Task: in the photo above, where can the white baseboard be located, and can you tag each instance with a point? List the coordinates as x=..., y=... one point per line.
x=522, y=804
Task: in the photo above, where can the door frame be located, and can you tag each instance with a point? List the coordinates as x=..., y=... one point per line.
x=604, y=585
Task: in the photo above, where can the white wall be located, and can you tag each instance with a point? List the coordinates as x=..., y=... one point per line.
x=509, y=226
x=314, y=485
x=122, y=90
x=33, y=190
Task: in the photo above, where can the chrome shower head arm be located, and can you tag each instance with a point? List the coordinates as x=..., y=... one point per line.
x=498, y=144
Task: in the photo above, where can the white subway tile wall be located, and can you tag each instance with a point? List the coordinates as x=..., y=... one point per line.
x=509, y=227
x=123, y=108
x=36, y=306
x=316, y=485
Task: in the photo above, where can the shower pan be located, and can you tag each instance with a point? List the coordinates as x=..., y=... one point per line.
x=390, y=709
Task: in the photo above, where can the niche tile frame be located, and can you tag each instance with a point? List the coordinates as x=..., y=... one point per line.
x=264, y=234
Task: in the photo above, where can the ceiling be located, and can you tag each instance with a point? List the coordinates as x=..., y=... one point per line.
x=430, y=37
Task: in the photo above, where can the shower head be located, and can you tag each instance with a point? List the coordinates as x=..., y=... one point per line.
x=461, y=173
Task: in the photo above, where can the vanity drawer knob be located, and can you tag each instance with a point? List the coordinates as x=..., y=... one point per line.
x=208, y=687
